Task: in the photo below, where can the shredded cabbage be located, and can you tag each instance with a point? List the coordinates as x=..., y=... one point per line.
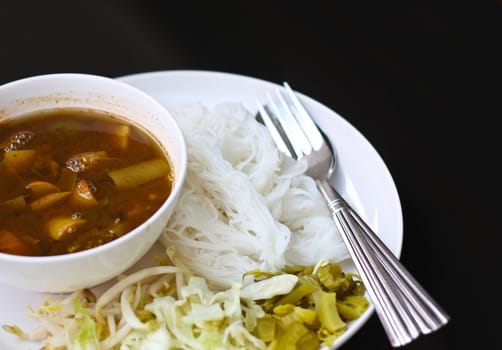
x=83, y=335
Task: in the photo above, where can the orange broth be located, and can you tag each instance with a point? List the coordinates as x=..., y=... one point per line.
x=74, y=179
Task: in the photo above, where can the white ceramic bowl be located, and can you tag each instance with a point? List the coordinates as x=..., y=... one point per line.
x=65, y=273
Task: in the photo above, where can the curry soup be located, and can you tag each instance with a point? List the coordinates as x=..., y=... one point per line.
x=74, y=179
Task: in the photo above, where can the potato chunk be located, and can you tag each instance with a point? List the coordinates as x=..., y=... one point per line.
x=82, y=195
x=59, y=226
x=20, y=160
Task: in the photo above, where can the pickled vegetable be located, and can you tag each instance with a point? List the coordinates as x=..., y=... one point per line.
x=322, y=301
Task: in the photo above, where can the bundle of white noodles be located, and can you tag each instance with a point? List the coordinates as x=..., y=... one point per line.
x=245, y=206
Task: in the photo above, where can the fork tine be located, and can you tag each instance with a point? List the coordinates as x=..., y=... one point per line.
x=310, y=128
x=274, y=130
x=292, y=130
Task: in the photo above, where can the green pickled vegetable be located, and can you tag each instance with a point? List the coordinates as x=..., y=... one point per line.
x=327, y=311
x=309, y=341
x=289, y=339
x=266, y=328
x=352, y=306
x=319, y=306
x=296, y=295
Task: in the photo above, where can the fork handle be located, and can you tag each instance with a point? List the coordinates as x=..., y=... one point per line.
x=404, y=308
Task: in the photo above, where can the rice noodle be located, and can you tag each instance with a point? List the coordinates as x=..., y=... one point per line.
x=244, y=206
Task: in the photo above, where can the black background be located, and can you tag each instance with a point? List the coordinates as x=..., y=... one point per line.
x=420, y=79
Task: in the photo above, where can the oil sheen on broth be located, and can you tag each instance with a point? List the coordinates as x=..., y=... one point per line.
x=75, y=179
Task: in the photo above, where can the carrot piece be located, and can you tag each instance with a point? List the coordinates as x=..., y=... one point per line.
x=11, y=244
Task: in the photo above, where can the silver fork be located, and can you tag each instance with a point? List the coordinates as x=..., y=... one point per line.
x=404, y=308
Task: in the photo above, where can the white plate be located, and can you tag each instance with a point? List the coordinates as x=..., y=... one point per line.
x=361, y=177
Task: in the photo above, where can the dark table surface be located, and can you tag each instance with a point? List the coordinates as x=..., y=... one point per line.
x=420, y=79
